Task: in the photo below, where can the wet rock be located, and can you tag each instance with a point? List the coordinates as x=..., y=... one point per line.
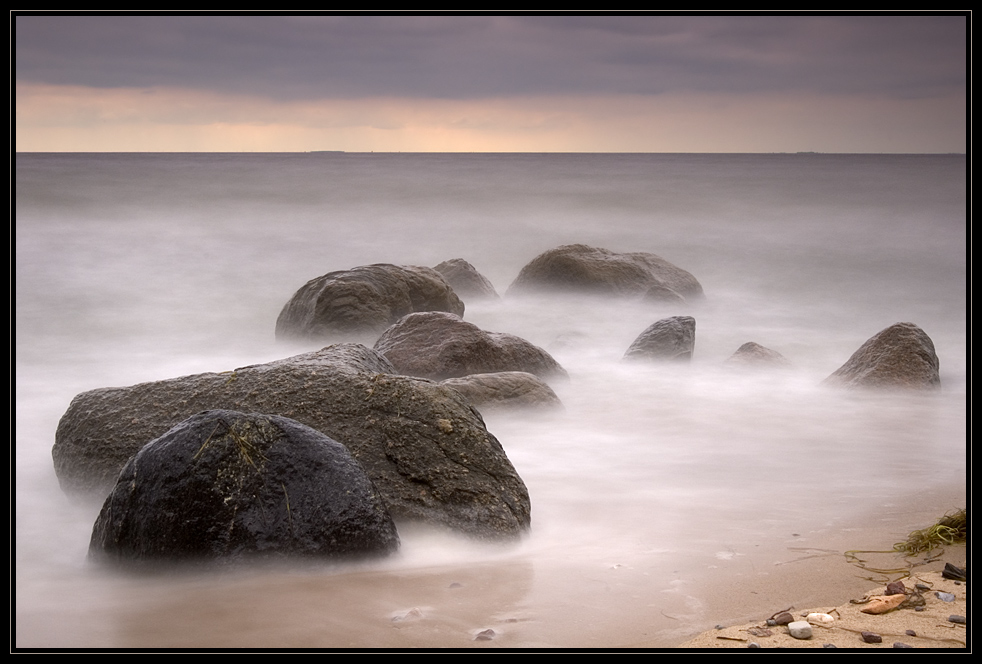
x=363, y=300
x=424, y=447
x=439, y=345
x=901, y=356
x=580, y=268
x=466, y=281
x=505, y=389
x=753, y=354
x=226, y=486
x=955, y=573
x=668, y=339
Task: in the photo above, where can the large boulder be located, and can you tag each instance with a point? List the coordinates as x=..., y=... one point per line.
x=363, y=300
x=505, y=390
x=225, y=486
x=439, y=346
x=465, y=280
x=901, y=356
x=668, y=339
x=425, y=448
x=578, y=267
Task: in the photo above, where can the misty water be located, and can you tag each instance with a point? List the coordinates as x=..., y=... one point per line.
x=140, y=267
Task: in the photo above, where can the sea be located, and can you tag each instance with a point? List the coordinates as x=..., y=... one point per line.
x=659, y=493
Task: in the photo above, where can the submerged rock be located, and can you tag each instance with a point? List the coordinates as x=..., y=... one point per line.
x=439, y=346
x=505, y=389
x=901, y=356
x=225, y=486
x=466, y=280
x=578, y=267
x=753, y=354
x=362, y=300
x=668, y=339
x=424, y=447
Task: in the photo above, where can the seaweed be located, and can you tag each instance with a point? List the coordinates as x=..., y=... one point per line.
x=950, y=529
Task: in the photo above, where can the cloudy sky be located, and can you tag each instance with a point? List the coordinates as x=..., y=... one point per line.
x=491, y=83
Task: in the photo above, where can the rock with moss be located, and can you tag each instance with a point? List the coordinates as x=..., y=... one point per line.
x=901, y=356
x=581, y=268
x=227, y=486
x=440, y=345
x=422, y=444
x=363, y=301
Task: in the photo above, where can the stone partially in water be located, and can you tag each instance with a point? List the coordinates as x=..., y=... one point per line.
x=227, y=486
x=901, y=356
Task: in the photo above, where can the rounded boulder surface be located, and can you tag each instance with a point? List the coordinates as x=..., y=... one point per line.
x=363, y=300
x=901, y=356
x=668, y=339
x=439, y=346
x=225, y=486
x=466, y=280
x=581, y=268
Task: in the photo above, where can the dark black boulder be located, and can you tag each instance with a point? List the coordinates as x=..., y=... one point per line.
x=227, y=486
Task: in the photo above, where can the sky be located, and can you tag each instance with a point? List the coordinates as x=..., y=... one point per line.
x=472, y=83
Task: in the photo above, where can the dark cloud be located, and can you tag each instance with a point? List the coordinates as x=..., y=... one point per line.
x=294, y=57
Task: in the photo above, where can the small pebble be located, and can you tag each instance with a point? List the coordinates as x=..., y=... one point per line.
x=486, y=635
x=753, y=644
x=898, y=644
x=896, y=588
x=922, y=586
x=920, y=608
x=828, y=645
x=800, y=629
x=870, y=637
x=910, y=632
x=720, y=626
x=945, y=597
x=957, y=619
x=783, y=618
x=771, y=622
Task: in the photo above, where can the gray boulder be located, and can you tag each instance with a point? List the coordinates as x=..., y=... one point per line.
x=424, y=447
x=439, y=346
x=580, y=268
x=753, y=354
x=668, y=339
x=900, y=356
x=363, y=300
x=505, y=390
x=225, y=486
x=465, y=280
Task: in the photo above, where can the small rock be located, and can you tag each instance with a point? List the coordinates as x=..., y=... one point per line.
x=486, y=635
x=829, y=645
x=896, y=588
x=771, y=622
x=920, y=608
x=910, y=632
x=957, y=619
x=753, y=644
x=952, y=572
x=783, y=618
x=819, y=618
x=800, y=629
x=898, y=644
x=945, y=597
x=922, y=586
x=870, y=637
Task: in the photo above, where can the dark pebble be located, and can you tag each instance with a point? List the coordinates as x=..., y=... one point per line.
x=898, y=644
x=957, y=619
x=486, y=635
x=828, y=645
x=910, y=632
x=720, y=626
x=783, y=618
x=896, y=588
x=870, y=637
x=952, y=572
x=920, y=608
x=922, y=586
